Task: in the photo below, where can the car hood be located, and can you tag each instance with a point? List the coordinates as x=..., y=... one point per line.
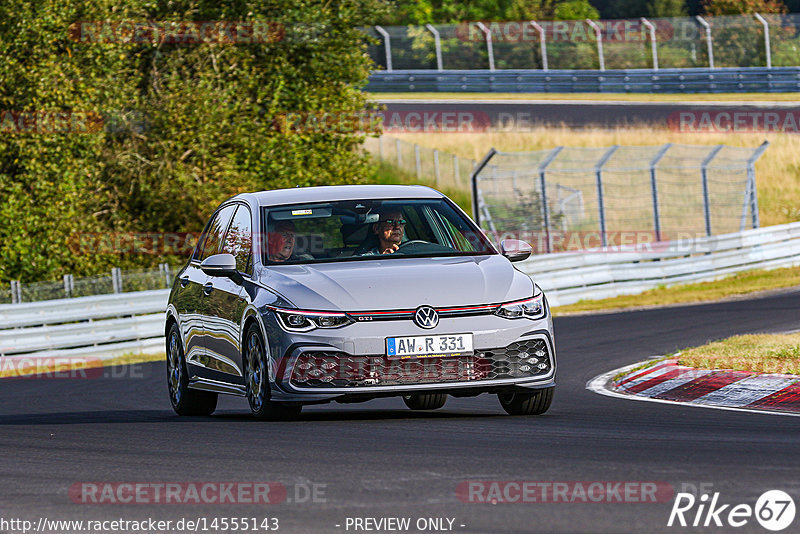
x=399, y=283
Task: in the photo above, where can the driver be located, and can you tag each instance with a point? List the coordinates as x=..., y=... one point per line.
x=389, y=229
x=280, y=241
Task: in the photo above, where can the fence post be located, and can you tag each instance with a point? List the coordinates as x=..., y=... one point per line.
x=456, y=177
x=437, y=43
x=649, y=25
x=397, y=149
x=69, y=285
x=654, y=189
x=387, y=44
x=543, y=186
x=436, y=165
x=598, y=169
x=380, y=148
x=598, y=33
x=489, y=47
x=16, y=292
x=542, y=43
x=704, y=175
x=751, y=177
x=116, y=279
x=709, y=42
x=473, y=180
x=417, y=161
x=766, y=39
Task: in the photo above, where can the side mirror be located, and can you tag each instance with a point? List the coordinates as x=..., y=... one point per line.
x=221, y=265
x=515, y=250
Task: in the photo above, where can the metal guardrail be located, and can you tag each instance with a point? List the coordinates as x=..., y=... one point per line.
x=673, y=80
x=569, y=277
x=109, y=325
x=98, y=325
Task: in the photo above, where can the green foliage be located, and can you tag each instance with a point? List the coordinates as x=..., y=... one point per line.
x=197, y=121
x=418, y=12
x=575, y=10
x=666, y=8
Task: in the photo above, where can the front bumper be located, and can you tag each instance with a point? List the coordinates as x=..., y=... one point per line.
x=349, y=363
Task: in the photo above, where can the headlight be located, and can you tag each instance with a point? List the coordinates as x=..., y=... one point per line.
x=532, y=308
x=303, y=321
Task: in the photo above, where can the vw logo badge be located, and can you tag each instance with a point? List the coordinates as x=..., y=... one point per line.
x=426, y=317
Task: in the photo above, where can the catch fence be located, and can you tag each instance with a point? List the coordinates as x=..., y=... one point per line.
x=570, y=198
x=768, y=40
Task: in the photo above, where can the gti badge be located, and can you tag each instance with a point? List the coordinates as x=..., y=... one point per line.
x=426, y=317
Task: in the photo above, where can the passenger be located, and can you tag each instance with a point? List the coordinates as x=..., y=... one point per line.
x=390, y=230
x=281, y=241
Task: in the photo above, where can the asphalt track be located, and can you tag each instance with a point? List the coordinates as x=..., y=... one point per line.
x=380, y=460
x=519, y=115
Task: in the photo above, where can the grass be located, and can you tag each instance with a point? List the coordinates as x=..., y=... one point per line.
x=627, y=97
x=777, y=171
x=736, y=285
x=757, y=353
x=61, y=364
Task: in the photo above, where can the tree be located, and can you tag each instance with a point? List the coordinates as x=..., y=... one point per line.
x=198, y=120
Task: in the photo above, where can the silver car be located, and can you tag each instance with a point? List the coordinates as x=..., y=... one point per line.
x=349, y=293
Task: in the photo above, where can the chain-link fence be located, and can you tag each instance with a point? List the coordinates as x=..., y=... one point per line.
x=427, y=164
x=576, y=198
x=116, y=281
x=678, y=42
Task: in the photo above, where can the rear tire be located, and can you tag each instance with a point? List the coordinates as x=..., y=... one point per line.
x=257, y=381
x=425, y=401
x=184, y=401
x=535, y=403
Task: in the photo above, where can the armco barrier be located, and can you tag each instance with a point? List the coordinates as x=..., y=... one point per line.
x=108, y=325
x=590, y=275
x=103, y=325
x=684, y=80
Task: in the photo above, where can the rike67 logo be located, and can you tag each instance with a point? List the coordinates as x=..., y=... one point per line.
x=774, y=510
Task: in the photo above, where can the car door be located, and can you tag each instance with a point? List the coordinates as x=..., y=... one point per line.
x=226, y=300
x=194, y=285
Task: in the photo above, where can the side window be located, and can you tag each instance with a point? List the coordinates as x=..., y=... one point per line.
x=216, y=231
x=239, y=239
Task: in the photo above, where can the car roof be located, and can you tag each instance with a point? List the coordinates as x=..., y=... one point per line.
x=296, y=195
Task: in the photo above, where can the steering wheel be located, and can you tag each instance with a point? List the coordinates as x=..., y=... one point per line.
x=412, y=242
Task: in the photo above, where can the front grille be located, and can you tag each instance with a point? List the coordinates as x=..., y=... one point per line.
x=323, y=369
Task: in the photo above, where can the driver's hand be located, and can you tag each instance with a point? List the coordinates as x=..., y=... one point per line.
x=391, y=249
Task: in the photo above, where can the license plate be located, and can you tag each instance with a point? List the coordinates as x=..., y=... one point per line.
x=429, y=346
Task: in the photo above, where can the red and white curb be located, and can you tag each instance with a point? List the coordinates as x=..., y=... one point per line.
x=668, y=382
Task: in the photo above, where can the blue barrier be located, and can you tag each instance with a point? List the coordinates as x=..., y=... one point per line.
x=694, y=80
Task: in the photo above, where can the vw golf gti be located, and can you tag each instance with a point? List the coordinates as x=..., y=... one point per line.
x=349, y=293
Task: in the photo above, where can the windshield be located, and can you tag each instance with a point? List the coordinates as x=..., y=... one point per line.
x=363, y=230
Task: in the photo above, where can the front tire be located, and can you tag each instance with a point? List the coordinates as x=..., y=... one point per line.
x=535, y=403
x=184, y=401
x=425, y=401
x=257, y=381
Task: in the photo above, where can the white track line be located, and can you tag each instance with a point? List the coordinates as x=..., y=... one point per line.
x=599, y=383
